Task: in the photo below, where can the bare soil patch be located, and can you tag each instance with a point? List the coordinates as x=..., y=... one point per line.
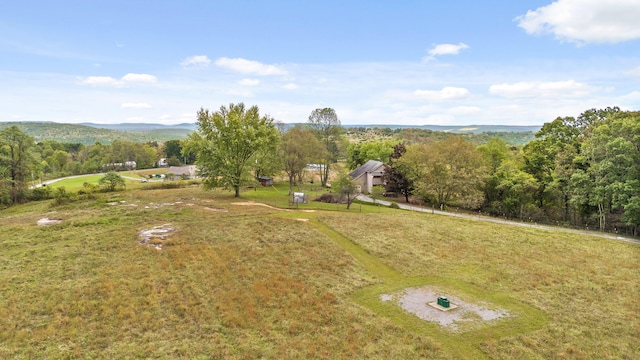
x=253, y=203
x=48, y=222
x=156, y=236
x=416, y=301
x=215, y=209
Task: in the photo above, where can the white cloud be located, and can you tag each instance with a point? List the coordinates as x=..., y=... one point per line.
x=249, y=82
x=113, y=82
x=139, y=78
x=196, y=61
x=244, y=66
x=634, y=72
x=631, y=98
x=447, y=93
x=585, y=21
x=102, y=81
x=553, y=89
x=131, y=105
x=465, y=110
x=290, y=86
x=445, y=49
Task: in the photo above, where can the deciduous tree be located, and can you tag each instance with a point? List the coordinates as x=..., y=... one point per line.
x=443, y=171
x=326, y=124
x=111, y=181
x=360, y=153
x=394, y=179
x=346, y=187
x=227, y=140
x=17, y=161
x=298, y=148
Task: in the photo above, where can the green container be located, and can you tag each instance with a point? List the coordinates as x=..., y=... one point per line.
x=443, y=301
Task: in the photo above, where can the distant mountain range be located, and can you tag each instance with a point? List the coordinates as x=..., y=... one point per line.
x=142, y=126
x=105, y=133
x=470, y=129
x=89, y=133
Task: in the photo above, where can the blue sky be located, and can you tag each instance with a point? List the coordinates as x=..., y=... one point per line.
x=375, y=62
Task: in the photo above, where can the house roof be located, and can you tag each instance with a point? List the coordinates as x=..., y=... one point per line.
x=181, y=170
x=368, y=167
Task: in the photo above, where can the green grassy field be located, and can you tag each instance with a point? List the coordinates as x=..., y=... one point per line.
x=75, y=183
x=248, y=281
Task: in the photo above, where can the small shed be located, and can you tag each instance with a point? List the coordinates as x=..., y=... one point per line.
x=265, y=180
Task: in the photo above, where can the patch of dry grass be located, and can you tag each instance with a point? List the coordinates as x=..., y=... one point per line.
x=586, y=286
x=235, y=284
x=254, y=282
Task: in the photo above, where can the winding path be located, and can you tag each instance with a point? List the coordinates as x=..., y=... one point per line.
x=48, y=182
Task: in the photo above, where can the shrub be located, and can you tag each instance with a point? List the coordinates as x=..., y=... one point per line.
x=394, y=205
x=111, y=181
x=171, y=185
x=40, y=193
x=88, y=190
x=61, y=196
x=327, y=198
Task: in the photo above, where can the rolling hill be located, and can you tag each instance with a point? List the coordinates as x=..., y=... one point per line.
x=89, y=134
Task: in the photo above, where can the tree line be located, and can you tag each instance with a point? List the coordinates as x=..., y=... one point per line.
x=582, y=172
x=24, y=163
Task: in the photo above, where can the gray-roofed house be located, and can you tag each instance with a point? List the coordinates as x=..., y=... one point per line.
x=368, y=175
x=180, y=172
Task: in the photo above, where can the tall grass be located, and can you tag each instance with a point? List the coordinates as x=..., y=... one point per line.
x=253, y=282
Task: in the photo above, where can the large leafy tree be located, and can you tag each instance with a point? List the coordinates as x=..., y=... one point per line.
x=327, y=127
x=17, y=162
x=494, y=152
x=298, y=148
x=227, y=140
x=551, y=158
x=611, y=182
x=443, y=171
x=172, y=148
x=515, y=190
x=394, y=179
x=360, y=153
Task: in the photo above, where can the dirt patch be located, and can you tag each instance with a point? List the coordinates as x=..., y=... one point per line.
x=303, y=220
x=252, y=203
x=416, y=301
x=158, y=206
x=215, y=209
x=48, y=222
x=156, y=236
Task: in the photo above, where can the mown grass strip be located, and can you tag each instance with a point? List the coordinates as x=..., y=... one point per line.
x=467, y=344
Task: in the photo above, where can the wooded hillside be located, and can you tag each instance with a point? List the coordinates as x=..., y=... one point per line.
x=73, y=133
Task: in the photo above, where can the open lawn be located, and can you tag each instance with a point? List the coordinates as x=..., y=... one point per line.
x=236, y=279
x=133, y=179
